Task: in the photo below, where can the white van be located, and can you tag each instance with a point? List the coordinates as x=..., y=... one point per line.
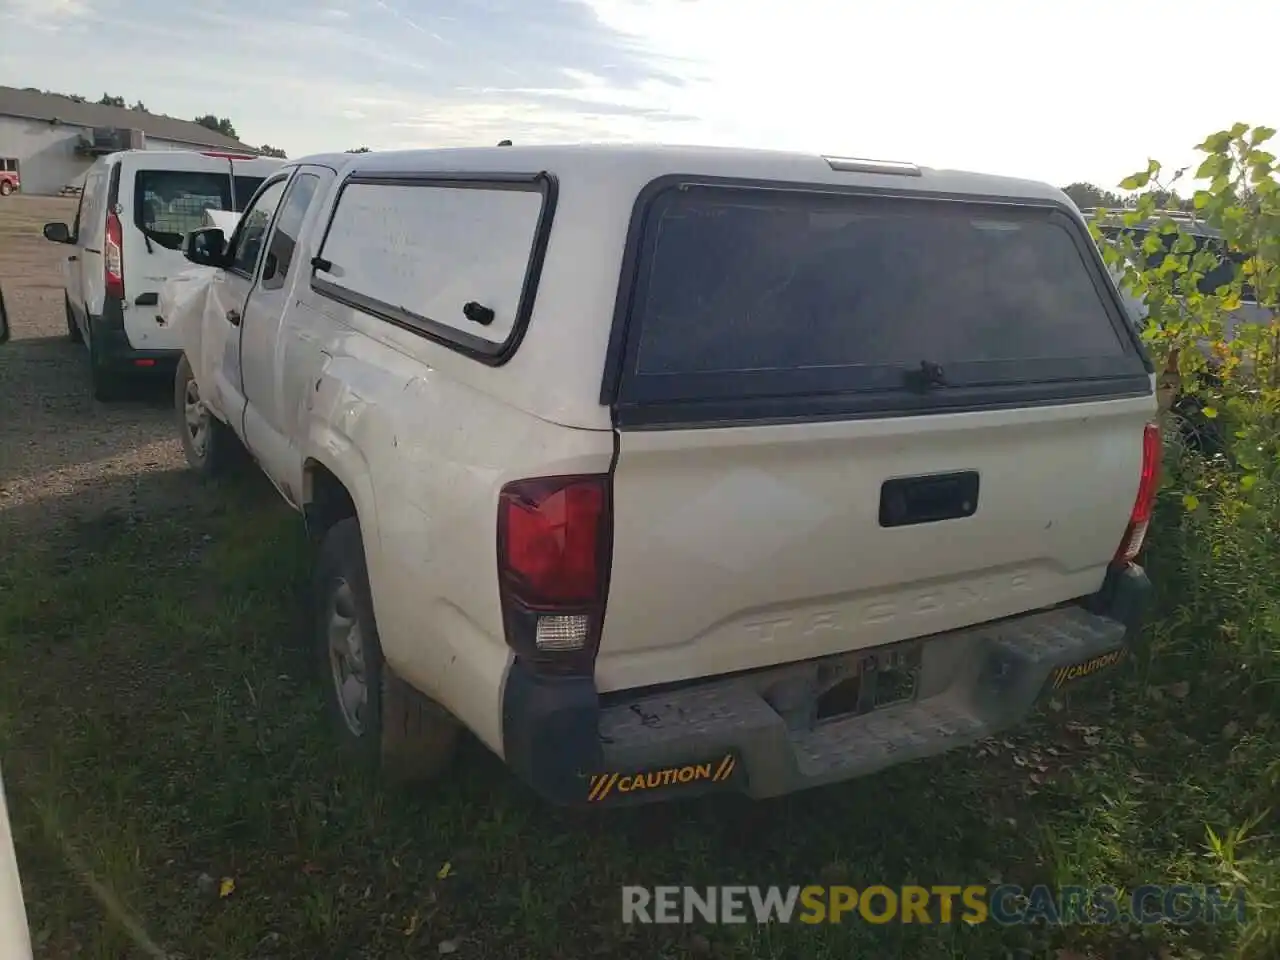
x=668, y=469
x=136, y=209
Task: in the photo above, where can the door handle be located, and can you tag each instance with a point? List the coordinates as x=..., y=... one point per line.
x=72, y=259
x=233, y=317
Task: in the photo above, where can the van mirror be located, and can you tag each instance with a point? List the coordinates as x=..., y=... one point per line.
x=206, y=247
x=57, y=233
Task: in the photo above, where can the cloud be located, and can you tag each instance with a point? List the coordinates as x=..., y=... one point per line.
x=965, y=85
x=411, y=24
x=49, y=16
x=373, y=71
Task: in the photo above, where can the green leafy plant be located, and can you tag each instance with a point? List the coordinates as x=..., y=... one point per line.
x=1210, y=280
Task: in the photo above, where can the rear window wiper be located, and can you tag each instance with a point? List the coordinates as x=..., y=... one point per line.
x=927, y=377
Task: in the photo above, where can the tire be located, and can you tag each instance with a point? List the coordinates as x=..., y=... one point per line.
x=6, y=188
x=386, y=726
x=107, y=385
x=211, y=447
x=73, y=329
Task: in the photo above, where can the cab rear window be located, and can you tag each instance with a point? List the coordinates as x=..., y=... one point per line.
x=747, y=294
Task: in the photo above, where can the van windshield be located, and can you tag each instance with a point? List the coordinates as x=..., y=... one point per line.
x=169, y=204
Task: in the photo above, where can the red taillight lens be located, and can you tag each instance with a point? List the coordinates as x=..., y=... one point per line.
x=554, y=539
x=1148, y=483
x=113, y=258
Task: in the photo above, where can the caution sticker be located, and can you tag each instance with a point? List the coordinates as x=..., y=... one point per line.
x=1064, y=675
x=604, y=785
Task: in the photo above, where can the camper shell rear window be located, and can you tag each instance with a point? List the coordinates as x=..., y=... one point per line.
x=746, y=303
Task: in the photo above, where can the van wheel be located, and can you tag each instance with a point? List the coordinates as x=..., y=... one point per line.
x=6, y=188
x=385, y=724
x=211, y=447
x=73, y=329
x=106, y=384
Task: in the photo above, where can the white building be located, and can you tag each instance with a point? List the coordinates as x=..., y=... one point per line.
x=55, y=139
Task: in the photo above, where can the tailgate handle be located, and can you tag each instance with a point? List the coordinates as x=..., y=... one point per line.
x=905, y=501
x=147, y=299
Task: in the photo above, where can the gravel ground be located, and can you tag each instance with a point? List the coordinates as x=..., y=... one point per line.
x=64, y=457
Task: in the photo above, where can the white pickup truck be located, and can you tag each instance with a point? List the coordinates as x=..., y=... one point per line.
x=668, y=470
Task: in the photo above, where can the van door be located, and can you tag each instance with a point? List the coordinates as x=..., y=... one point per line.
x=89, y=290
x=262, y=334
x=163, y=196
x=72, y=263
x=228, y=295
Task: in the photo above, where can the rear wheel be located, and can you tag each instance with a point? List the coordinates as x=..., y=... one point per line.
x=382, y=722
x=73, y=329
x=6, y=188
x=210, y=446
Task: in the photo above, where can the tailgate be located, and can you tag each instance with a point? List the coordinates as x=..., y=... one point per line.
x=846, y=421
x=744, y=547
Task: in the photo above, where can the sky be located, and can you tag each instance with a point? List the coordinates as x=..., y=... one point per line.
x=1053, y=91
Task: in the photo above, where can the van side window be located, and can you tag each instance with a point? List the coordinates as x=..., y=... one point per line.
x=247, y=242
x=454, y=260
x=284, y=236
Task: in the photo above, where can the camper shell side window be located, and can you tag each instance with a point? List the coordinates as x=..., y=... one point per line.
x=454, y=258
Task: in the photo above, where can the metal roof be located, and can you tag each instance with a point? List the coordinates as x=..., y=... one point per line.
x=54, y=108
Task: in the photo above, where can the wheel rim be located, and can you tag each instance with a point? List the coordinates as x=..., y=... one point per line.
x=347, y=658
x=196, y=416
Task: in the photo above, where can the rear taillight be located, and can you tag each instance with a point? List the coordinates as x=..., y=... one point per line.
x=555, y=536
x=113, y=258
x=1148, y=482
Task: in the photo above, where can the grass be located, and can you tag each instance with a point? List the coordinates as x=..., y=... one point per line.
x=161, y=733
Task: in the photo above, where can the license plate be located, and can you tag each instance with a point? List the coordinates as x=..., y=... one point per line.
x=878, y=680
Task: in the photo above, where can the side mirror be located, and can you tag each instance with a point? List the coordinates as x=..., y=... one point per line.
x=4, y=320
x=206, y=247
x=57, y=233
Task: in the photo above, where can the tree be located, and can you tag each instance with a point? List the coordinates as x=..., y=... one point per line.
x=140, y=107
x=220, y=125
x=1170, y=200
x=1086, y=195
x=360, y=150
x=269, y=151
x=109, y=101
x=1227, y=360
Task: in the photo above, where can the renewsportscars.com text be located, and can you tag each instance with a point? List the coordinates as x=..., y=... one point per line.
x=1004, y=904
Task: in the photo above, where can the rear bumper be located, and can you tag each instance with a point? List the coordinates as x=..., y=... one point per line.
x=113, y=353
x=728, y=733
